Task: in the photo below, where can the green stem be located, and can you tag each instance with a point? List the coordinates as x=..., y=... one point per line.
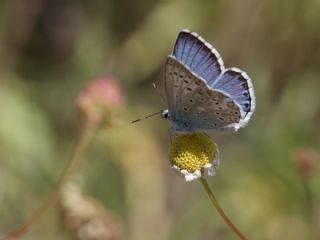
x=310, y=212
x=216, y=204
x=309, y=200
x=84, y=139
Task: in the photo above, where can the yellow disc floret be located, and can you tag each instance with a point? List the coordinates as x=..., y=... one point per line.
x=192, y=152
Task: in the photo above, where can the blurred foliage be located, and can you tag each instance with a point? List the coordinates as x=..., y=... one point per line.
x=49, y=49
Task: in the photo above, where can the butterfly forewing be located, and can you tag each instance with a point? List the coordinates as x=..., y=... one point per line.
x=201, y=58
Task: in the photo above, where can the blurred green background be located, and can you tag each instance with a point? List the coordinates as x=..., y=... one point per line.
x=49, y=50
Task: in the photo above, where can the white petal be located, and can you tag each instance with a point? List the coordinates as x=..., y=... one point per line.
x=216, y=160
x=184, y=172
x=176, y=168
x=209, y=169
x=197, y=173
x=191, y=176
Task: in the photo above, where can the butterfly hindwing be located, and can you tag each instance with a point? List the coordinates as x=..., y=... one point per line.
x=192, y=105
x=237, y=84
x=208, y=109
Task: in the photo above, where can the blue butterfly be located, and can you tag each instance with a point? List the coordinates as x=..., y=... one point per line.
x=201, y=93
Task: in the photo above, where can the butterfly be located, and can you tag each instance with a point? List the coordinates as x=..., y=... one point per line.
x=201, y=93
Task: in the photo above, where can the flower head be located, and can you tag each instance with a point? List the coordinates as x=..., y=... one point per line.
x=194, y=154
x=102, y=96
x=306, y=161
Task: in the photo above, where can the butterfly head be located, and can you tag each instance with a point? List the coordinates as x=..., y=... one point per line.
x=176, y=124
x=165, y=114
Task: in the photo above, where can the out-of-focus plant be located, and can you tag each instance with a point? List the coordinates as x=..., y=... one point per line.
x=99, y=102
x=306, y=163
x=85, y=217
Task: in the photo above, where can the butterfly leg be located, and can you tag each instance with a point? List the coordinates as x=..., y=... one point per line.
x=171, y=132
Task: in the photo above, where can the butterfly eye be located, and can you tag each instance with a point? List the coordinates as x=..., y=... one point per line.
x=165, y=115
x=191, y=100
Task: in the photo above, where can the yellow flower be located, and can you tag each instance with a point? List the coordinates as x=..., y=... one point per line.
x=194, y=154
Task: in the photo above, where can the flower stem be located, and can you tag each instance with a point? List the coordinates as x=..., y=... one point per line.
x=84, y=139
x=310, y=210
x=216, y=204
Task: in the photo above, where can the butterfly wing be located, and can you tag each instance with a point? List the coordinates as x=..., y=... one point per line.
x=192, y=105
x=237, y=84
x=206, y=64
x=201, y=58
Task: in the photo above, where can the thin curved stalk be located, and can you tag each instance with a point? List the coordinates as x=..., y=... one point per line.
x=84, y=139
x=216, y=204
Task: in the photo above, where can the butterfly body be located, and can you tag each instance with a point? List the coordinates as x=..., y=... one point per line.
x=201, y=93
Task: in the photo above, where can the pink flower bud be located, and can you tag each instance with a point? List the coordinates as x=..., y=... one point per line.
x=305, y=159
x=101, y=98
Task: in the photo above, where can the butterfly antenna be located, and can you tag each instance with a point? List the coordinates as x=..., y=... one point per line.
x=151, y=115
x=158, y=91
